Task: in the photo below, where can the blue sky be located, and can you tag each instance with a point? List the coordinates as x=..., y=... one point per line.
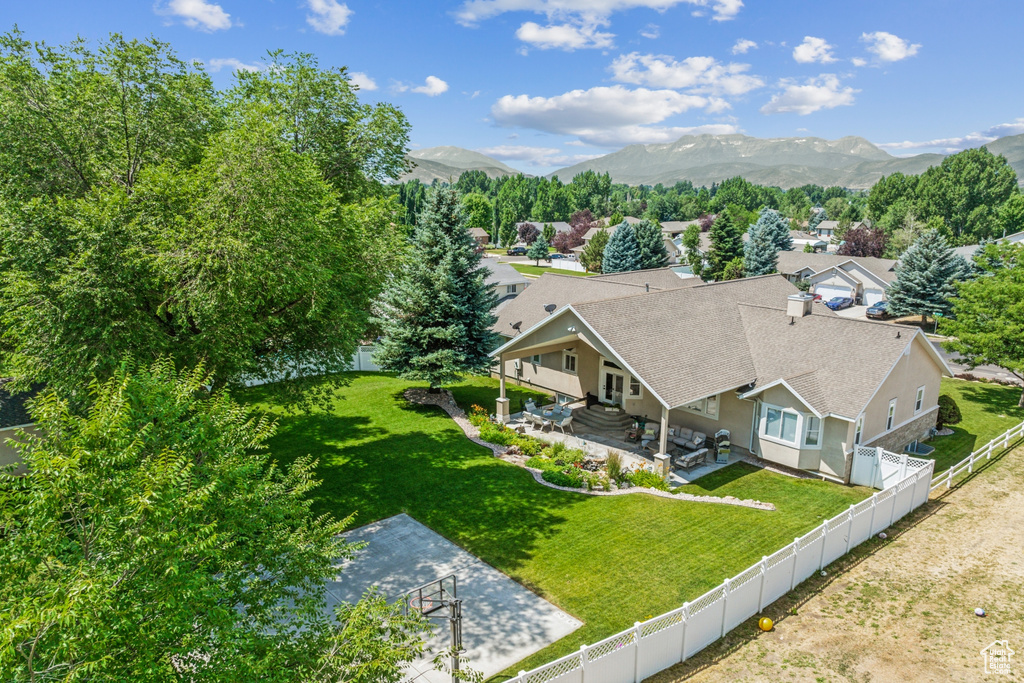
x=543, y=84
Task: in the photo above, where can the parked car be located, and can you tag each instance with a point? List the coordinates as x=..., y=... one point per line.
x=516, y=251
x=555, y=255
x=879, y=310
x=839, y=303
x=817, y=298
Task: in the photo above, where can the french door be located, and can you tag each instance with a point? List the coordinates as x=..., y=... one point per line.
x=614, y=384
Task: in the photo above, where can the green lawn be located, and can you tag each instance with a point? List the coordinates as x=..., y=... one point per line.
x=529, y=269
x=608, y=561
x=988, y=410
x=481, y=391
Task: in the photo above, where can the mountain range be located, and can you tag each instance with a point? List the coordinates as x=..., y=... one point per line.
x=850, y=162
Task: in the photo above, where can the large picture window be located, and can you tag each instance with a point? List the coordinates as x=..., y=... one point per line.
x=780, y=424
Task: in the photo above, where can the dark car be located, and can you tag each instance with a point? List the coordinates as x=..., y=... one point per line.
x=879, y=310
x=516, y=251
x=839, y=303
x=555, y=255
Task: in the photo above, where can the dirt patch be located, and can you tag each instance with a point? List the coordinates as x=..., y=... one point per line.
x=900, y=609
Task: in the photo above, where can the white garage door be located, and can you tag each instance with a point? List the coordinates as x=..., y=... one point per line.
x=872, y=296
x=831, y=291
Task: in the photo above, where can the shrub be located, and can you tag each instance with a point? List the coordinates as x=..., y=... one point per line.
x=949, y=412
x=497, y=434
x=528, y=445
x=570, y=477
x=539, y=462
x=614, y=466
x=647, y=479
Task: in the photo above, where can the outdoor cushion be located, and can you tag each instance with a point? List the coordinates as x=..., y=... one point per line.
x=684, y=433
x=699, y=438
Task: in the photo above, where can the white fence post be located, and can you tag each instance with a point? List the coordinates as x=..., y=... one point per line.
x=824, y=544
x=903, y=467
x=892, y=510
x=686, y=619
x=725, y=609
x=871, y=524
x=583, y=663
x=764, y=574
x=849, y=529
x=636, y=650
x=796, y=559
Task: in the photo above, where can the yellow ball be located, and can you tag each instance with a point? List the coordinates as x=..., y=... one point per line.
x=765, y=624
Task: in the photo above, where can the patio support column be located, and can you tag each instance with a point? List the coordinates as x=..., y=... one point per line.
x=501, y=409
x=663, y=435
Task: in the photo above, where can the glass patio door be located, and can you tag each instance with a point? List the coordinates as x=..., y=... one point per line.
x=613, y=387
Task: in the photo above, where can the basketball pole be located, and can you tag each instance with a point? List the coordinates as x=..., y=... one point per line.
x=455, y=621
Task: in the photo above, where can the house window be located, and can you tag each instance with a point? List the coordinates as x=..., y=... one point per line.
x=919, y=401
x=510, y=289
x=780, y=424
x=562, y=399
x=569, y=362
x=535, y=359
x=706, y=406
x=636, y=390
x=812, y=432
x=857, y=430
x=890, y=418
x=609, y=364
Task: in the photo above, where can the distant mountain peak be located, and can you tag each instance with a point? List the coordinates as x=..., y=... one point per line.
x=448, y=163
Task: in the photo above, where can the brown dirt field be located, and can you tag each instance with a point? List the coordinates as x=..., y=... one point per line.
x=901, y=609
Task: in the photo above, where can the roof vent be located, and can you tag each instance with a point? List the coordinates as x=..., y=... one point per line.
x=798, y=305
x=647, y=286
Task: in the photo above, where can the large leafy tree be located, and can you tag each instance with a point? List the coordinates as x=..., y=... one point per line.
x=966, y=191
x=478, y=210
x=223, y=239
x=693, y=254
x=987, y=325
x=863, y=241
x=651, y=243
x=436, y=317
x=726, y=246
x=528, y=233
x=593, y=253
x=154, y=538
x=926, y=278
x=622, y=252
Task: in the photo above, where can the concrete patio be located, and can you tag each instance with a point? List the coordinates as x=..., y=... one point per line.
x=599, y=443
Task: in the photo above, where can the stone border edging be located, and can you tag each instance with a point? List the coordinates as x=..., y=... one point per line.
x=446, y=402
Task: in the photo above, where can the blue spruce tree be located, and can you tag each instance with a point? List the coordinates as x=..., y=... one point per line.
x=760, y=255
x=649, y=237
x=926, y=277
x=775, y=226
x=623, y=251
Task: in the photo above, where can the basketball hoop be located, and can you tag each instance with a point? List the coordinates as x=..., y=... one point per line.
x=433, y=597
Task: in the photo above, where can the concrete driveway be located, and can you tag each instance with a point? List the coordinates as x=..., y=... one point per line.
x=860, y=312
x=502, y=622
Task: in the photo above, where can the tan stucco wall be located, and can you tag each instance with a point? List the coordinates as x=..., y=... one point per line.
x=8, y=455
x=836, y=436
x=733, y=414
x=912, y=370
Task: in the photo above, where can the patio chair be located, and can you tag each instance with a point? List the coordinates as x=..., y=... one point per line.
x=529, y=406
x=650, y=435
x=565, y=422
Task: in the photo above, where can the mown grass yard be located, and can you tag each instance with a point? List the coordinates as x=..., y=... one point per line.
x=530, y=269
x=609, y=561
x=988, y=410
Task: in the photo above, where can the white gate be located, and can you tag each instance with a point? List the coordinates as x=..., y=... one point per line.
x=880, y=469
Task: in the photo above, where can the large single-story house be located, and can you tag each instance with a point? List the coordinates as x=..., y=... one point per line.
x=830, y=275
x=13, y=417
x=506, y=281
x=736, y=355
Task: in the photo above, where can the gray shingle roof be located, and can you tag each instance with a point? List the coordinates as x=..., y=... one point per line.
x=502, y=274
x=562, y=290
x=794, y=261
x=13, y=411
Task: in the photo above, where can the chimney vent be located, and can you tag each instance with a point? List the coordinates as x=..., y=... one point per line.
x=798, y=305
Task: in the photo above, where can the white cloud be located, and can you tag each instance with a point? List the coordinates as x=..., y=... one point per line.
x=813, y=50
x=604, y=116
x=362, y=81
x=823, y=92
x=651, y=31
x=704, y=75
x=215, y=65
x=889, y=48
x=432, y=87
x=472, y=12
x=328, y=16
x=205, y=16
x=857, y=61
x=567, y=36
x=743, y=46
x=955, y=144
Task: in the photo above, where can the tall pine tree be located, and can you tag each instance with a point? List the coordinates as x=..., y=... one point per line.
x=436, y=319
x=593, y=253
x=760, y=255
x=926, y=277
x=652, y=244
x=623, y=251
x=775, y=227
x=726, y=246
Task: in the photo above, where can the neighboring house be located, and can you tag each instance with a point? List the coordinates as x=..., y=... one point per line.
x=13, y=417
x=736, y=355
x=968, y=251
x=858, y=277
x=506, y=281
x=826, y=229
x=481, y=236
x=559, y=226
x=801, y=239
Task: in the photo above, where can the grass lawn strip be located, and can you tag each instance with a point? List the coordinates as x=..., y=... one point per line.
x=988, y=410
x=528, y=270
x=609, y=561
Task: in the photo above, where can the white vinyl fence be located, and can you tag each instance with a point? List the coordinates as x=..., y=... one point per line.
x=880, y=469
x=673, y=637
x=967, y=464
